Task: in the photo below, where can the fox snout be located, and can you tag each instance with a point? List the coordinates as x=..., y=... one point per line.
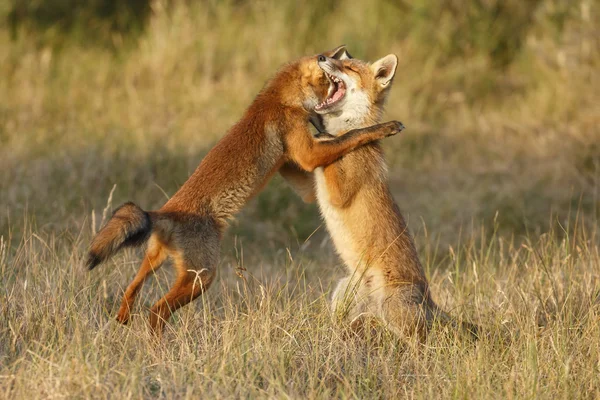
x=329, y=64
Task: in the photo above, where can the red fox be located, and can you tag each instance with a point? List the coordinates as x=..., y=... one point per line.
x=189, y=227
x=386, y=277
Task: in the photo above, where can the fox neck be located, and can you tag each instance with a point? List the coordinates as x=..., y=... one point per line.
x=358, y=115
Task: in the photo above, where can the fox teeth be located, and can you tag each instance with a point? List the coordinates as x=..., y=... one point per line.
x=334, y=78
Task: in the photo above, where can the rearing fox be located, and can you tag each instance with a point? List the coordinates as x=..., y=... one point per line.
x=386, y=278
x=189, y=227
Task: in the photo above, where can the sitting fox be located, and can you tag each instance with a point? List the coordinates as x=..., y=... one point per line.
x=386, y=277
x=273, y=133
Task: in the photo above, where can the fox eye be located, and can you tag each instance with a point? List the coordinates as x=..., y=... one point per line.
x=350, y=68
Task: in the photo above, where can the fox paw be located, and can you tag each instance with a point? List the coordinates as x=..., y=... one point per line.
x=395, y=127
x=123, y=316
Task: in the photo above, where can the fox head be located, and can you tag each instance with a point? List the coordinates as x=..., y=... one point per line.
x=305, y=83
x=357, y=90
x=336, y=88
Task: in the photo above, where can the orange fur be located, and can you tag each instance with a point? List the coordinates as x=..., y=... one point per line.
x=272, y=132
x=386, y=277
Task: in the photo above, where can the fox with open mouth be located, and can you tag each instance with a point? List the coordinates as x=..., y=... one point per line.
x=386, y=279
x=273, y=134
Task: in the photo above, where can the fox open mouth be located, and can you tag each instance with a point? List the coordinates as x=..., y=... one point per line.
x=336, y=92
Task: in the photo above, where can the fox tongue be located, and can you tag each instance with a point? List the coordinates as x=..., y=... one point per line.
x=337, y=95
x=339, y=91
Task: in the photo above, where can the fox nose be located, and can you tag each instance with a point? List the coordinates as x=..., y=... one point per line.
x=322, y=58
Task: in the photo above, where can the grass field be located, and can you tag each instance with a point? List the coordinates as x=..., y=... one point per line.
x=498, y=175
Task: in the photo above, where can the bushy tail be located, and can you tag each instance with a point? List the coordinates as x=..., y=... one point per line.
x=129, y=226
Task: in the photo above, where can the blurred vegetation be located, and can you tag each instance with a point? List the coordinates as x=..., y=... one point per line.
x=500, y=98
x=91, y=21
x=454, y=26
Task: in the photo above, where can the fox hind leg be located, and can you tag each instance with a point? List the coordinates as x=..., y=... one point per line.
x=195, y=259
x=351, y=301
x=153, y=259
x=190, y=284
x=406, y=312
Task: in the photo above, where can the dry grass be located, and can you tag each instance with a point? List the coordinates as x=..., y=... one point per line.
x=264, y=330
x=498, y=174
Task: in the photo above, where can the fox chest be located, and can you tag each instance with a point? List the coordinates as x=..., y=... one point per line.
x=335, y=219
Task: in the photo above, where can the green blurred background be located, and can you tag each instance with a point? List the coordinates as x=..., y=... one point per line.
x=501, y=100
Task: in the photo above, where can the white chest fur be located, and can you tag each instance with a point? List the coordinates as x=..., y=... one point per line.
x=354, y=115
x=334, y=219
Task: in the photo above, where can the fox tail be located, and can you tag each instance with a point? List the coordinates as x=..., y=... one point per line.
x=129, y=226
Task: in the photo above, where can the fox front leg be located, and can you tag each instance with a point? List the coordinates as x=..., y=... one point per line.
x=310, y=153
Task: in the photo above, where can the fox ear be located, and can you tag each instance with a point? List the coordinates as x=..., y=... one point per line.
x=385, y=69
x=339, y=53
